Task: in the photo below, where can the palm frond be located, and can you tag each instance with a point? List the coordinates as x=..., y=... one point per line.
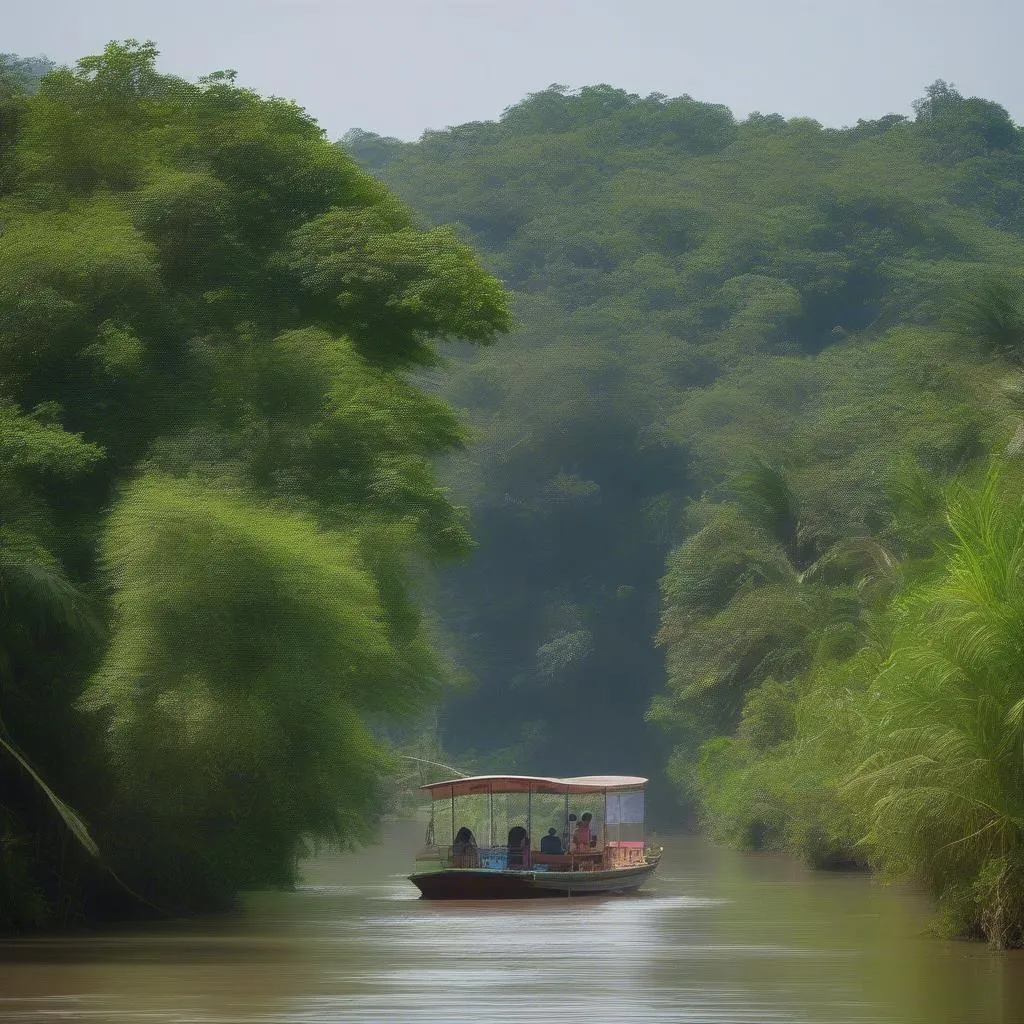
x=33, y=580
x=943, y=785
x=991, y=314
x=877, y=559
x=764, y=495
x=76, y=826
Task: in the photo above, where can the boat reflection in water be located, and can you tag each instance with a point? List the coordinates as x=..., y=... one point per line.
x=520, y=836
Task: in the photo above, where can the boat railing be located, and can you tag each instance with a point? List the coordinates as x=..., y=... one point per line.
x=496, y=858
x=624, y=853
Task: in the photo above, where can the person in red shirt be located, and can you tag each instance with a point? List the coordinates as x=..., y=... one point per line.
x=581, y=838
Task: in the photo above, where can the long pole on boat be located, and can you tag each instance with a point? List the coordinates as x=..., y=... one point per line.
x=568, y=835
x=529, y=820
x=436, y=764
x=453, y=817
x=490, y=815
x=604, y=821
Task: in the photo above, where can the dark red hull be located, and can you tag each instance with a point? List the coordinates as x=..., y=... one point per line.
x=482, y=884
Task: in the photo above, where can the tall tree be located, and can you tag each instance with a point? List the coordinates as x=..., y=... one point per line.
x=213, y=318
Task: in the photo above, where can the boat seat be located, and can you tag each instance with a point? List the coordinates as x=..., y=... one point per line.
x=496, y=860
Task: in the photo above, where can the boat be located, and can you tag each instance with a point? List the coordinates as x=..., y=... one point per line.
x=481, y=842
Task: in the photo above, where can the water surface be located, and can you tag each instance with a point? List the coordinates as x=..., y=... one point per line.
x=718, y=938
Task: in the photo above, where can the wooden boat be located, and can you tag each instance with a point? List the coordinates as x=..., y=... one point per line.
x=593, y=837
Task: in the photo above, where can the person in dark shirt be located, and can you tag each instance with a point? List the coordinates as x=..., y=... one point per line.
x=518, y=848
x=464, y=850
x=551, y=843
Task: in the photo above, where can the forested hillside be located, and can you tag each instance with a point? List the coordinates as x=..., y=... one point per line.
x=216, y=485
x=745, y=486
x=693, y=293
x=763, y=351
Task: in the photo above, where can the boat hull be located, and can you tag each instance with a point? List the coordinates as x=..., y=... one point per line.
x=485, y=884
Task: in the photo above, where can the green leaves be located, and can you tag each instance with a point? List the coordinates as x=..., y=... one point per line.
x=211, y=311
x=765, y=497
x=34, y=444
x=394, y=288
x=959, y=127
x=62, y=275
x=191, y=219
x=991, y=314
x=248, y=647
x=942, y=783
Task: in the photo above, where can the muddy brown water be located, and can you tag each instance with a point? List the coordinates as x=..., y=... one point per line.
x=717, y=938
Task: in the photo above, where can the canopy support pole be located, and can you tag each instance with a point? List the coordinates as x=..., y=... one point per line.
x=490, y=815
x=453, y=815
x=604, y=821
x=529, y=818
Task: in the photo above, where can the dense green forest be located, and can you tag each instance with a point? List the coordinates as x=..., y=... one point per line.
x=217, y=496
x=774, y=368
x=745, y=486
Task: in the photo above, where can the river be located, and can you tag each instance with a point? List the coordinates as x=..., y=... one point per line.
x=718, y=937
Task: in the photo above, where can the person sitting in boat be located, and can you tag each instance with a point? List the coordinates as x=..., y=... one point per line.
x=551, y=843
x=518, y=847
x=583, y=837
x=464, y=851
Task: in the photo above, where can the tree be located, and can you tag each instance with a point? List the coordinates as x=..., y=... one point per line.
x=46, y=624
x=942, y=783
x=751, y=600
x=991, y=314
x=691, y=290
x=213, y=316
x=958, y=128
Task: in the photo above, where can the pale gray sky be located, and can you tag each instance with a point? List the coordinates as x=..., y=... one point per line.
x=399, y=66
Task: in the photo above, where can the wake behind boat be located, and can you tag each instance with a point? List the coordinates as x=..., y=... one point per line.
x=481, y=841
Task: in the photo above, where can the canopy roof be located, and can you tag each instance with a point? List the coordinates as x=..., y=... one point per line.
x=532, y=783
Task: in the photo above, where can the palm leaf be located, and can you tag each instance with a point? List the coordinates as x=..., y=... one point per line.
x=867, y=550
x=991, y=314
x=764, y=495
x=71, y=818
x=32, y=578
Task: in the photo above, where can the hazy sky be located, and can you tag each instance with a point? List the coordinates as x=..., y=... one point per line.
x=399, y=66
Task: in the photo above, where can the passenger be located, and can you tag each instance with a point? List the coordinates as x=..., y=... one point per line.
x=464, y=851
x=582, y=837
x=551, y=843
x=518, y=847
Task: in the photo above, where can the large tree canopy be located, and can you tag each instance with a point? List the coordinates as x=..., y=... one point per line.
x=216, y=483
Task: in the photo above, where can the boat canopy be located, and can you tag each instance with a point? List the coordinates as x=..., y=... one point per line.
x=477, y=784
